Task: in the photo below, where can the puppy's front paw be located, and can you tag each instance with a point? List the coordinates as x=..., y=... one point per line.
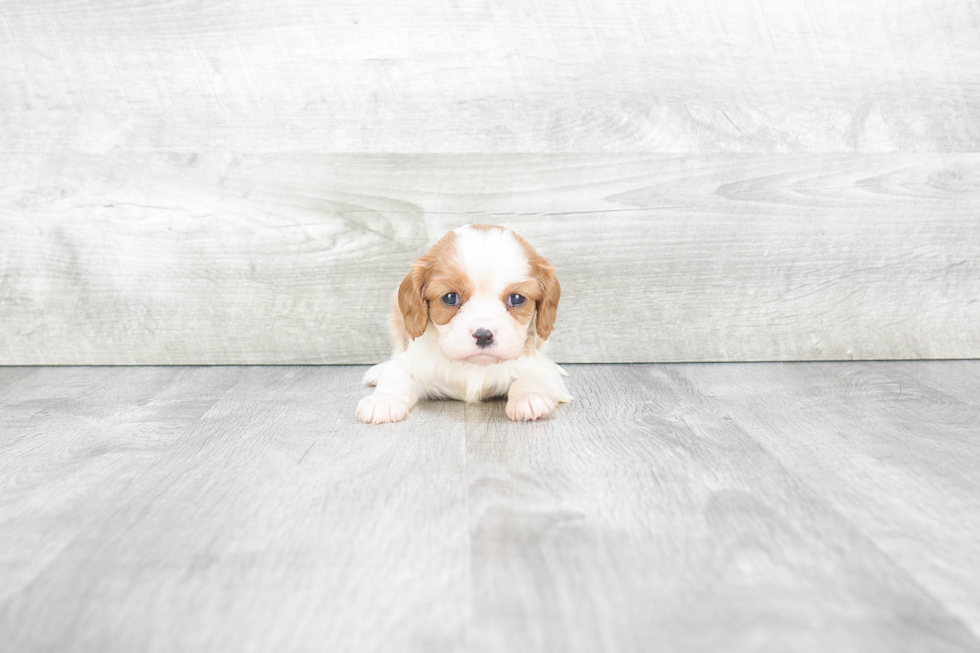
x=382, y=408
x=529, y=407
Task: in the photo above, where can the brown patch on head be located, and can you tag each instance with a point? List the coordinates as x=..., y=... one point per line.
x=529, y=289
x=446, y=277
x=487, y=227
x=433, y=274
x=548, y=289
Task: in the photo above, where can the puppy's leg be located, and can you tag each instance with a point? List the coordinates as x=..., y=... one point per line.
x=533, y=397
x=394, y=396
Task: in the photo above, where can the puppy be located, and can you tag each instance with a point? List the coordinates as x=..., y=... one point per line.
x=470, y=322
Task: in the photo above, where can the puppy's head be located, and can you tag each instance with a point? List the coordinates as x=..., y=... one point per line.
x=482, y=287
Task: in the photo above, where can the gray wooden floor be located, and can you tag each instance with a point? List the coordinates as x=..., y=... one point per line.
x=735, y=507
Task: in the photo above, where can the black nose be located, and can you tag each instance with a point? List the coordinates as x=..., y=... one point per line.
x=483, y=337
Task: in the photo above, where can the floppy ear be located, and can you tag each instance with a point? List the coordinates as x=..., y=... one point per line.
x=548, y=304
x=414, y=308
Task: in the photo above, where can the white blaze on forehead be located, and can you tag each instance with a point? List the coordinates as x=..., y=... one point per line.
x=492, y=258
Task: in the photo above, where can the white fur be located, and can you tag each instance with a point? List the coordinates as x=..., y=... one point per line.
x=435, y=365
x=493, y=259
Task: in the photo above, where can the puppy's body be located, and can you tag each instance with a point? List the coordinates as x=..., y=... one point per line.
x=470, y=322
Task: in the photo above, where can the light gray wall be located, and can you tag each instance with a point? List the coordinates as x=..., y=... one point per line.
x=246, y=182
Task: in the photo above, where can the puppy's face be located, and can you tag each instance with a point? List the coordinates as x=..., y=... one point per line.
x=481, y=287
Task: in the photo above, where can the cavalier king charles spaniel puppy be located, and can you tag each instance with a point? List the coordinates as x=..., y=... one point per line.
x=470, y=322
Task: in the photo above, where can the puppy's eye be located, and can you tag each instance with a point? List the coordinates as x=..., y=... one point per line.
x=516, y=300
x=450, y=299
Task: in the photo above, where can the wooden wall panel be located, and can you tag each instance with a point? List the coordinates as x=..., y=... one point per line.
x=507, y=76
x=243, y=182
x=175, y=259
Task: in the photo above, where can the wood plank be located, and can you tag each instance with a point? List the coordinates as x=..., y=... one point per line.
x=262, y=259
x=73, y=441
x=894, y=447
x=355, y=76
x=275, y=522
x=643, y=518
x=11, y=375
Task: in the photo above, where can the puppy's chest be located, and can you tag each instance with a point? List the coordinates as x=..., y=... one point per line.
x=471, y=383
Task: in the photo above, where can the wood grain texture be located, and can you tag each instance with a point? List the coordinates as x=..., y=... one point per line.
x=897, y=455
x=659, y=522
x=269, y=523
x=85, y=437
x=795, y=507
x=571, y=76
x=244, y=259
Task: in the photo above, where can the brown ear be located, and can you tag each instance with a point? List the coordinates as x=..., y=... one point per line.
x=548, y=304
x=414, y=308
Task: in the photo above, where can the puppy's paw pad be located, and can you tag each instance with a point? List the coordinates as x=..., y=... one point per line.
x=382, y=408
x=528, y=408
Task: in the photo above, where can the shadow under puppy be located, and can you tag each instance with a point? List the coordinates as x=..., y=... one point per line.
x=470, y=322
